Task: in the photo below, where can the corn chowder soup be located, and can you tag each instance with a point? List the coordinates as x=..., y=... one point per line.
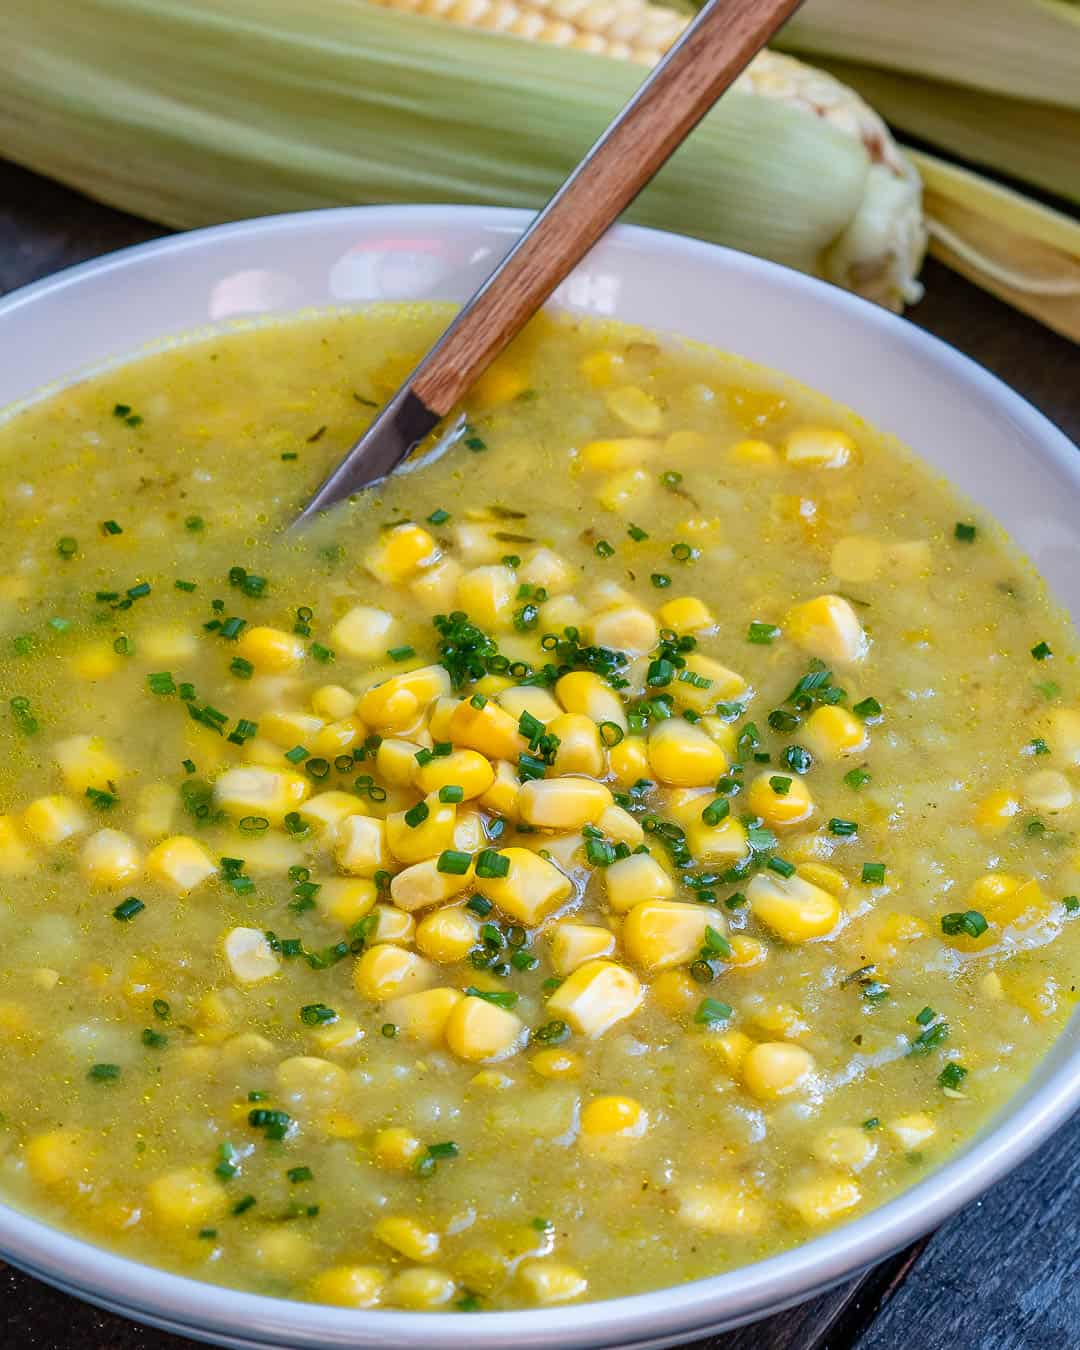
x=606, y=855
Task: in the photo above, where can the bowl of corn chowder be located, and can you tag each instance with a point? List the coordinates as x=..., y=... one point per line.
x=577, y=868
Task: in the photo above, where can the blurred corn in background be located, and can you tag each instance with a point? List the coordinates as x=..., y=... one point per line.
x=190, y=112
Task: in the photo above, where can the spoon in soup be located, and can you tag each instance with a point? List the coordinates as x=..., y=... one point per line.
x=715, y=48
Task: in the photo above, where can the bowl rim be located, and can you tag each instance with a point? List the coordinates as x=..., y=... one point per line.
x=661, y=1316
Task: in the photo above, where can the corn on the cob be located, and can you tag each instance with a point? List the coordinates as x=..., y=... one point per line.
x=280, y=105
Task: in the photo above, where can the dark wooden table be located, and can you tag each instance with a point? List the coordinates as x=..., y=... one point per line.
x=1003, y=1275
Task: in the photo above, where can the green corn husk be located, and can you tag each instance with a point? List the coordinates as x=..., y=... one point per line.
x=191, y=112
x=1023, y=49
x=1037, y=143
x=1024, y=253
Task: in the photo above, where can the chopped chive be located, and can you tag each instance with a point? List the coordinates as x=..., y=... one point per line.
x=491, y=863
x=480, y=905
x=161, y=682
x=867, y=708
x=453, y=862
x=636, y=533
x=711, y=1011
x=873, y=873
x=603, y=549
x=1041, y=651
x=104, y=1073
x=297, y=754
x=299, y=1174
x=416, y=815
x=599, y=853
x=762, y=634
x=970, y=922
x=684, y=553
x=185, y=585
x=400, y=653
x=127, y=909
x=451, y=792
x=855, y=778
x=243, y=1205
x=780, y=785
x=110, y=527
x=67, y=547
x=317, y=1014
x=438, y=517
x=925, y=1016
x=501, y=998
x=323, y=654
x=844, y=829
x=716, y=810
x=798, y=759
x=781, y=866
x=965, y=533
x=101, y=799
x=952, y=1075
x=660, y=580
x=1072, y=904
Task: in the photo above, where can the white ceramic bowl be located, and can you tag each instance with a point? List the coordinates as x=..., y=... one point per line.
x=991, y=443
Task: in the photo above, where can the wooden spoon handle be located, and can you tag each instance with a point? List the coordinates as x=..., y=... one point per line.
x=715, y=48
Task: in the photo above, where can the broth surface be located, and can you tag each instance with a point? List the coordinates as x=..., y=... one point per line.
x=277, y=1010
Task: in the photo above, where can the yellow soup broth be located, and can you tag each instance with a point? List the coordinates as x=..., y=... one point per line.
x=636, y=839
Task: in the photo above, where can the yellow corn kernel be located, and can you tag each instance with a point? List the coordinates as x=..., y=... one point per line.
x=489, y=729
x=580, y=748
x=363, y=632
x=466, y=769
x=15, y=858
x=818, y=447
x=626, y=628
x=688, y=614
x=155, y=806
x=831, y=732
x=995, y=812
x=857, y=558
x=250, y=956
x=95, y=661
x=360, y=845
x=395, y=703
x=423, y=1016
x=624, y=490
x=255, y=791
x=629, y=761
x=345, y=900
x=602, y=367
x=530, y=890
x=619, y=453
x=501, y=797
x=715, y=843
x=791, y=907
x=408, y=1237
x=660, y=933
x=758, y=453
x=912, y=1132
x=1036, y=992
x=326, y=810
x=780, y=1020
x=774, y=1069
x=480, y=1031
x=168, y=645
x=675, y=992
x=723, y=684
x=572, y=944
x=308, y=1083
x=595, y=997
x=393, y=925
x=51, y=820
x=728, y=1208
x=57, y=1156
x=565, y=611
x=337, y=737
x=333, y=702
x=470, y=830
x=828, y=878
x=287, y=729
x=421, y=1289
x=270, y=650
x=683, y=755
x=396, y=1149
x=448, y=935
x=422, y=885
x=777, y=808
x=343, y=1034
x=180, y=862
x=402, y=552
x=746, y=952
x=636, y=409
x=1047, y=791
x=548, y=1282
x=585, y=693
x=827, y=627
x=845, y=1146
x=731, y=1046
x=414, y=843
x=349, y=1286
x=1021, y=906
x=882, y=944
x=824, y=1198
x=557, y=1064
x=187, y=1198
x=562, y=803
x=386, y=971
x=613, y=1117
x=395, y=761
x=109, y=858
x=501, y=382
x=86, y=763
x=547, y=569
x=1063, y=734
x=620, y=825
x=487, y=593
